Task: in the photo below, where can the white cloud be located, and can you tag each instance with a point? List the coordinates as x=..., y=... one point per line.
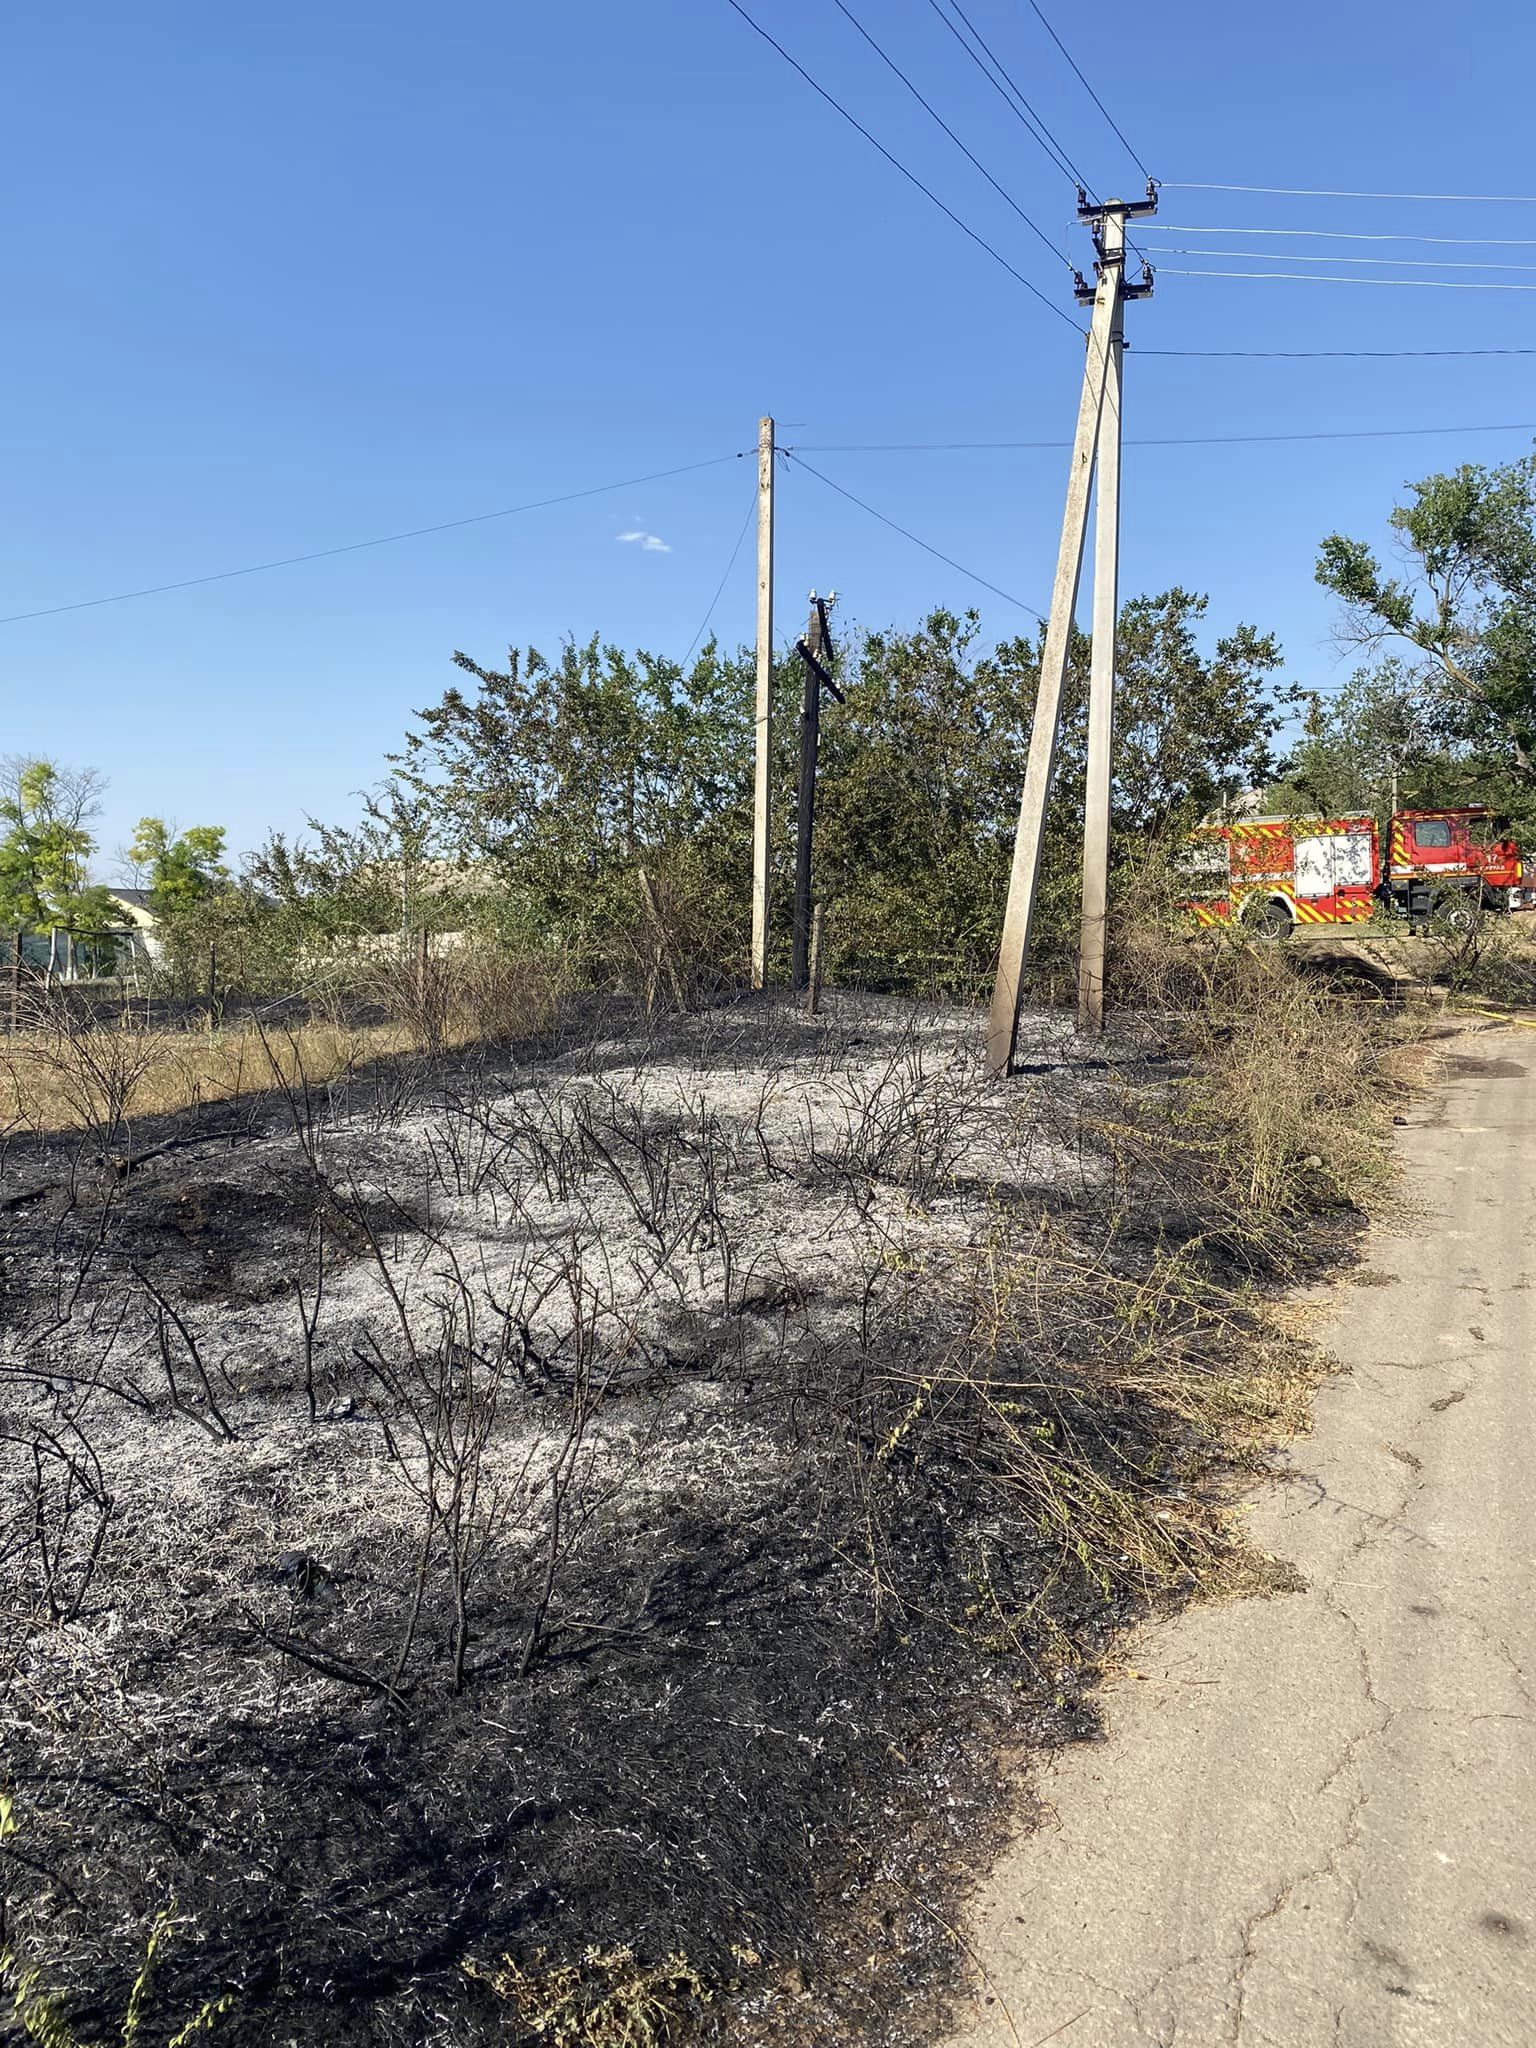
x=652, y=543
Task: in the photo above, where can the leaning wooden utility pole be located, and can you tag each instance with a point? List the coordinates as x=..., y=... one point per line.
x=1023, y=880
x=1101, y=681
x=815, y=652
x=762, y=777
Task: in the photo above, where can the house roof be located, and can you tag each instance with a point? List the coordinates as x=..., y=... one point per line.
x=136, y=906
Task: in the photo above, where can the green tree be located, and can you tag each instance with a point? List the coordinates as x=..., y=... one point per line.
x=924, y=765
x=562, y=777
x=1382, y=742
x=1466, y=603
x=551, y=781
x=385, y=873
x=45, y=849
x=1192, y=730
x=183, y=869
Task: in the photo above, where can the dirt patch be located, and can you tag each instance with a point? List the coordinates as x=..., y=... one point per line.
x=1461, y=1064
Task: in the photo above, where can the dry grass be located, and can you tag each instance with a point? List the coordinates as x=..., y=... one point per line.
x=1296, y=1088
x=1289, y=1089
x=606, y=2000
x=1216, y=1371
x=68, y=1069
x=49, y=1088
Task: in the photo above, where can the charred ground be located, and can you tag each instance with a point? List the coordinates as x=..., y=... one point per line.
x=568, y=1536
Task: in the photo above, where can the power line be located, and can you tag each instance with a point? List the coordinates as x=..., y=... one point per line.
x=725, y=578
x=1312, y=192
x=380, y=541
x=927, y=549
x=1345, y=235
x=1441, y=284
x=1001, y=82
x=1379, y=262
x=1314, y=355
x=1157, y=441
x=885, y=58
x=1109, y=117
x=896, y=164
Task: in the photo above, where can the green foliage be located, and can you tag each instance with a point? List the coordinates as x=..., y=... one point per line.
x=45, y=848
x=207, y=917
x=1192, y=731
x=1394, y=729
x=529, y=799
x=562, y=778
x=1383, y=729
x=345, y=881
x=923, y=768
x=1467, y=604
x=183, y=870
x=258, y=946
x=920, y=777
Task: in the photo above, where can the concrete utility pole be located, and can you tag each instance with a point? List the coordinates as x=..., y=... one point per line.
x=815, y=652
x=762, y=778
x=1018, y=917
x=1101, y=685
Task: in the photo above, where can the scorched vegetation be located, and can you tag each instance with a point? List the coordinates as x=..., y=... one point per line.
x=551, y=1543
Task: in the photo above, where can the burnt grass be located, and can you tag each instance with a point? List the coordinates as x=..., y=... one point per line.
x=806, y=1614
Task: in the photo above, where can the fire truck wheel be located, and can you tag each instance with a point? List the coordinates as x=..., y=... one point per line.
x=1272, y=921
x=1454, y=910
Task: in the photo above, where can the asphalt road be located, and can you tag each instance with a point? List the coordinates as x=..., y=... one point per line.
x=1315, y=1819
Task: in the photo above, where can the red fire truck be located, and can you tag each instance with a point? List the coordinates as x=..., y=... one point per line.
x=1276, y=873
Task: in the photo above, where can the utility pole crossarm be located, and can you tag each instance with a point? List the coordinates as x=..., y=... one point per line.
x=822, y=675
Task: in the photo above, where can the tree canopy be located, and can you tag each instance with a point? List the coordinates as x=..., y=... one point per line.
x=1465, y=603
x=45, y=847
x=563, y=776
x=183, y=868
x=529, y=797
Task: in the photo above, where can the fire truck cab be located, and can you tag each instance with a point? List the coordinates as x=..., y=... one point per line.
x=1440, y=858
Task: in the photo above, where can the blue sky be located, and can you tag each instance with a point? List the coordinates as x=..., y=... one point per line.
x=285, y=278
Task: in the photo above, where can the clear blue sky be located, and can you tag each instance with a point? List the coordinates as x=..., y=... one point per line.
x=283, y=278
